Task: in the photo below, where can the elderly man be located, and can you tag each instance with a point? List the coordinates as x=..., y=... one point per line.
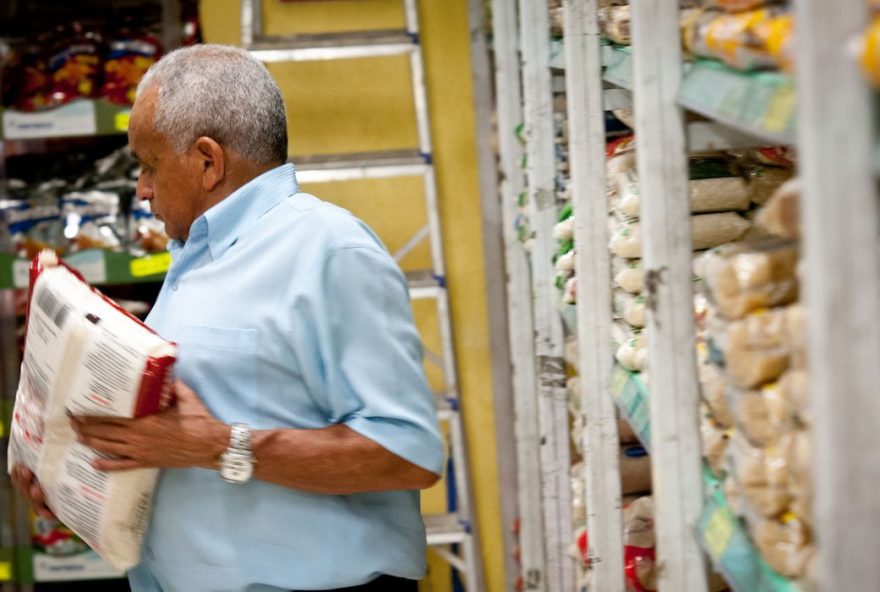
x=304, y=425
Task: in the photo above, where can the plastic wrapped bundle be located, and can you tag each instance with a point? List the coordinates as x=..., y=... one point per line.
x=780, y=216
x=760, y=474
x=639, y=545
x=628, y=275
x=719, y=194
x=743, y=277
x=713, y=389
x=757, y=348
x=737, y=39
x=635, y=470
x=630, y=308
x=715, y=439
x=707, y=231
x=633, y=354
x=764, y=415
x=784, y=542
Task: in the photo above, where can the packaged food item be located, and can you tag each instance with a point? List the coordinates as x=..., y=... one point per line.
x=713, y=390
x=85, y=356
x=91, y=220
x=869, y=52
x=735, y=5
x=800, y=478
x=780, y=216
x=569, y=291
x=784, y=543
x=761, y=474
x=146, y=231
x=25, y=77
x=629, y=307
x=737, y=39
x=715, y=439
x=778, y=35
x=635, y=470
x=743, y=277
x=757, y=349
x=75, y=66
x=763, y=415
x=628, y=275
x=130, y=54
x=639, y=542
x=707, y=231
x=617, y=25
x=633, y=354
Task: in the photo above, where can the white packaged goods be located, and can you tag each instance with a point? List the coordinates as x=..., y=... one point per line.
x=85, y=356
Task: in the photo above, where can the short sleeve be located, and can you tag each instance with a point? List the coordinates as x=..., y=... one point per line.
x=373, y=357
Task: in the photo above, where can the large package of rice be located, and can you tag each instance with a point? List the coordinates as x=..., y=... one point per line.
x=85, y=356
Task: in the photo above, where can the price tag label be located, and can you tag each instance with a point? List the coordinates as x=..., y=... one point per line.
x=718, y=532
x=150, y=265
x=5, y=571
x=21, y=273
x=780, y=109
x=75, y=119
x=120, y=121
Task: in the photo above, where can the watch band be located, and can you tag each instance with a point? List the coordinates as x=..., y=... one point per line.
x=240, y=437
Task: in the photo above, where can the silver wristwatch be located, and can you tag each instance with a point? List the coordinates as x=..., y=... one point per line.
x=237, y=463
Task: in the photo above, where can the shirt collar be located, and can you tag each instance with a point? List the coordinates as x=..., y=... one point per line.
x=226, y=220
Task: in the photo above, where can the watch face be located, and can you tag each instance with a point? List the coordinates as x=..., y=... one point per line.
x=236, y=467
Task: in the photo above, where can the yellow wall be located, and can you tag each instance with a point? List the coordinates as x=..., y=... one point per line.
x=363, y=105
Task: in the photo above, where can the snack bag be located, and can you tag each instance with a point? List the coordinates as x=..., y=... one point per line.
x=131, y=55
x=84, y=355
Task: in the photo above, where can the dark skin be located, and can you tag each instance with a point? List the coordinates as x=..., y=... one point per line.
x=334, y=460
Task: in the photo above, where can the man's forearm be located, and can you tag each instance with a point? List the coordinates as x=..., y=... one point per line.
x=332, y=460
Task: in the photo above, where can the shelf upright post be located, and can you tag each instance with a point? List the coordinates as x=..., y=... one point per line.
x=508, y=93
x=667, y=259
x=586, y=118
x=841, y=284
x=549, y=347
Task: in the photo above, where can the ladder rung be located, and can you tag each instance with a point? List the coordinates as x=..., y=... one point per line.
x=445, y=529
x=333, y=46
x=360, y=165
x=423, y=284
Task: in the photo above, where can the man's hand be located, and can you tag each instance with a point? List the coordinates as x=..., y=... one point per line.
x=26, y=484
x=185, y=435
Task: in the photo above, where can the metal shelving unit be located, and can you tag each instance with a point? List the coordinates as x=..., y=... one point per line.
x=825, y=111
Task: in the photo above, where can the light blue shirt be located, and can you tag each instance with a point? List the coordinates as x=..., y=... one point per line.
x=289, y=313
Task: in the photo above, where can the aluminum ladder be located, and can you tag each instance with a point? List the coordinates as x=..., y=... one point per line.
x=452, y=535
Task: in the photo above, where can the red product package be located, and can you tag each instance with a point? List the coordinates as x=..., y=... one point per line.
x=130, y=56
x=75, y=66
x=84, y=355
x=26, y=80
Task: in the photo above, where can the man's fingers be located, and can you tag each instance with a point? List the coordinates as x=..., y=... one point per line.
x=87, y=430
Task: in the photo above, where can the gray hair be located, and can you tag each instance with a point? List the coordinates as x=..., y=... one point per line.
x=221, y=92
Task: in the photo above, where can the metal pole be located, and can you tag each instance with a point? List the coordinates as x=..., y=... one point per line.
x=841, y=289
x=667, y=259
x=508, y=94
x=552, y=406
x=586, y=118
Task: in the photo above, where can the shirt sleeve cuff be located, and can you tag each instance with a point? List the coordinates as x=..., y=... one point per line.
x=411, y=443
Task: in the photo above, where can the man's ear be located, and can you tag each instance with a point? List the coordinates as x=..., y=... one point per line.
x=211, y=162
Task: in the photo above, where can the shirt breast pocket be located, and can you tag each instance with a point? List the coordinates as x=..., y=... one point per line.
x=221, y=365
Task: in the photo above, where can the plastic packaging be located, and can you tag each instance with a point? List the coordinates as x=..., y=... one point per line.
x=629, y=307
x=784, y=543
x=130, y=55
x=719, y=194
x=743, y=277
x=633, y=354
x=781, y=215
x=757, y=348
x=75, y=66
x=635, y=470
x=85, y=356
x=639, y=545
x=713, y=389
x=628, y=275
x=715, y=440
x=707, y=231
x=763, y=415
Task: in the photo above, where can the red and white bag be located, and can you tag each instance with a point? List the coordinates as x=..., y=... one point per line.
x=86, y=356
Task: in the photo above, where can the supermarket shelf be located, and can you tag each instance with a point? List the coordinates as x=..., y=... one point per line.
x=758, y=104
x=333, y=46
x=632, y=399
x=445, y=529
x=98, y=267
x=364, y=165
x=25, y=565
x=733, y=554
x=82, y=117
x=101, y=267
